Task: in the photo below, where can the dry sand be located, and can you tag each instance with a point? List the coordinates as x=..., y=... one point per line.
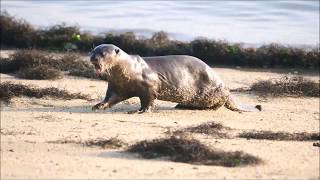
x=27, y=124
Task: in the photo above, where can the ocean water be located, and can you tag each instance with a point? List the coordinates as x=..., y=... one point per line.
x=253, y=22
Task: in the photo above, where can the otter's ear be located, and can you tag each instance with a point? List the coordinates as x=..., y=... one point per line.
x=117, y=51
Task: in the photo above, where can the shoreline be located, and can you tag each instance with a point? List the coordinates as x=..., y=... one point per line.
x=279, y=22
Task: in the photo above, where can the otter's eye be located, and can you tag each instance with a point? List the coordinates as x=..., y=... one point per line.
x=117, y=51
x=92, y=60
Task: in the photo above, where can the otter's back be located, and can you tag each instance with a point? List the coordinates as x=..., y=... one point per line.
x=180, y=67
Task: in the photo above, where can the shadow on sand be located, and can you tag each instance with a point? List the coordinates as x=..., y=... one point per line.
x=120, y=108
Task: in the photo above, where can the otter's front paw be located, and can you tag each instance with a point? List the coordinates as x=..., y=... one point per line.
x=98, y=106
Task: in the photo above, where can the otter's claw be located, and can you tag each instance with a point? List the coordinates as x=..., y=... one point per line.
x=98, y=106
x=140, y=111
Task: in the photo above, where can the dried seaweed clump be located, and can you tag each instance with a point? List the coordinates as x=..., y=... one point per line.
x=40, y=73
x=280, y=136
x=9, y=90
x=210, y=128
x=182, y=149
x=88, y=73
x=6, y=65
x=72, y=61
x=111, y=143
x=287, y=86
x=23, y=59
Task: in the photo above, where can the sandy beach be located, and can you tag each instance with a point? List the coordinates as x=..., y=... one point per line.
x=266, y=53
x=30, y=125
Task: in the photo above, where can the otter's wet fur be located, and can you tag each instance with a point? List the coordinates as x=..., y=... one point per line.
x=183, y=79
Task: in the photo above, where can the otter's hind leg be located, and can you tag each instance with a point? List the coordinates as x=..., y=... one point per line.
x=146, y=100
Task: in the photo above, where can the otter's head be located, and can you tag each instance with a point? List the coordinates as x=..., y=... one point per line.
x=104, y=56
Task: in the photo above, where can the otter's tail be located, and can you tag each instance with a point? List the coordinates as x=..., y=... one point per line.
x=234, y=106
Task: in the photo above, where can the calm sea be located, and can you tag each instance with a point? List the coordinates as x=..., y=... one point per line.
x=252, y=22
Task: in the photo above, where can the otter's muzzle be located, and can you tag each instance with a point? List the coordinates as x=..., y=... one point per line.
x=97, y=67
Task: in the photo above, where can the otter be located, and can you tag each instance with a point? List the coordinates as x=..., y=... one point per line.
x=182, y=79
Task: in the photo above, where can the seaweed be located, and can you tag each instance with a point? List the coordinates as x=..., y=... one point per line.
x=8, y=90
x=187, y=150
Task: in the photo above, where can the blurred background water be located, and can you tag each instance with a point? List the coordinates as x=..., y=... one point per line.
x=252, y=22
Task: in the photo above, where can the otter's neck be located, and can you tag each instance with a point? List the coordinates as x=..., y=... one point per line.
x=124, y=56
x=122, y=70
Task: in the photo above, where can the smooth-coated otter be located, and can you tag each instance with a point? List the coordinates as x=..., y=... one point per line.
x=183, y=79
